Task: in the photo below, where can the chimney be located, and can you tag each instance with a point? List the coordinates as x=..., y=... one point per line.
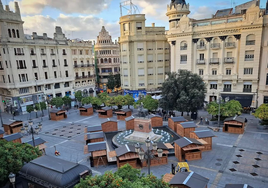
x=153, y=24
x=17, y=8
x=7, y=8
x=44, y=36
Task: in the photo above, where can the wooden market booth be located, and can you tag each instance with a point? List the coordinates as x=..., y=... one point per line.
x=11, y=127
x=1, y=133
x=86, y=110
x=156, y=120
x=98, y=153
x=105, y=112
x=234, y=125
x=238, y=186
x=94, y=137
x=109, y=126
x=123, y=114
x=15, y=138
x=57, y=115
x=40, y=143
x=174, y=121
x=188, y=149
x=205, y=135
x=130, y=123
x=184, y=128
x=94, y=128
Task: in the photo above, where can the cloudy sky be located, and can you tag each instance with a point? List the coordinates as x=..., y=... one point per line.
x=83, y=18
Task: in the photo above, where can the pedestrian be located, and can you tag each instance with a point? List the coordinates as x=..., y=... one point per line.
x=201, y=121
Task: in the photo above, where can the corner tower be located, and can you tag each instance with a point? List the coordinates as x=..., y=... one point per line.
x=176, y=10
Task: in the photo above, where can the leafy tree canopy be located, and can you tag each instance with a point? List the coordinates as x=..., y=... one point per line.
x=117, y=78
x=66, y=100
x=148, y=103
x=58, y=102
x=262, y=112
x=111, y=82
x=29, y=108
x=129, y=100
x=103, y=97
x=13, y=156
x=86, y=100
x=96, y=101
x=78, y=95
x=227, y=109
x=120, y=101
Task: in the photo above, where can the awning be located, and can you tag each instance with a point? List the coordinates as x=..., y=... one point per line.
x=245, y=100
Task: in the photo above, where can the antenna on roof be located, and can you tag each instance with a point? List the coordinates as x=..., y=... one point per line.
x=129, y=6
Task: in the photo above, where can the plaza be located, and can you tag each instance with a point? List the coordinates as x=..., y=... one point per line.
x=234, y=158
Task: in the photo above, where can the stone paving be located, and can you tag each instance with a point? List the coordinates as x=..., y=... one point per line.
x=229, y=151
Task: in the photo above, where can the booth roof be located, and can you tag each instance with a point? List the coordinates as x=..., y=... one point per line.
x=236, y=118
x=106, y=108
x=237, y=186
x=96, y=146
x=190, y=179
x=177, y=119
x=87, y=106
x=182, y=142
x=204, y=133
x=188, y=124
x=94, y=128
x=129, y=118
x=53, y=171
x=12, y=137
x=37, y=141
x=55, y=110
x=95, y=135
x=9, y=122
x=153, y=115
x=124, y=149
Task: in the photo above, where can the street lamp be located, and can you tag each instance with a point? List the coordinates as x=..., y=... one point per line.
x=37, y=96
x=26, y=130
x=148, y=155
x=12, y=179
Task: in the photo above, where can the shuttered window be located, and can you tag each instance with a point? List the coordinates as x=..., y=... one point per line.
x=150, y=71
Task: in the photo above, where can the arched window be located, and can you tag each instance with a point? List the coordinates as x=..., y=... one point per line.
x=9, y=33
x=110, y=60
x=18, y=34
x=13, y=33
x=202, y=43
x=250, y=40
x=183, y=45
x=230, y=39
x=101, y=60
x=105, y=60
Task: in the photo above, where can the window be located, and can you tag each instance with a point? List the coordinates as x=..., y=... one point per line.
x=140, y=72
x=23, y=77
x=125, y=27
x=74, y=52
x=6, y=64
x=140, y=46
x=32, y=52
x=202, y=43
x=13, y=33
x=249, y=55
x=228, y=71
x=247, y=87
x=183, y=59
x=1, y=67
x=227, y=87
x=81, y=52
x=160, y=70
x=149, y=58
x=87, y=52
x=66, y=74
x=65, y=63
x=201, y=72
x=43, y=52
x=9, y=79
x=18, y=33
x=57, y=86
x=55, y=74
x=213, y=86
x=150, y=71
x=66, y=84
x=53, y=63
x=140, y=59
x=248, y=70
x=250, y=40
x=9, y=33
x=160, y=58
x=214, y=71
x=35, y=76
x=44, y=63
x=201, y=56
x=125, y=73
x=183, y=46
x=265, y=99
x=46, y=77
x=267, y=79
x=63, y=52
x=24, y=90
x=3, y=77
x=34, y=64
x=139, y=25
x=37, y=88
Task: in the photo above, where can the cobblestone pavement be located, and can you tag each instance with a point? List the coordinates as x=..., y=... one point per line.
x=233, y=159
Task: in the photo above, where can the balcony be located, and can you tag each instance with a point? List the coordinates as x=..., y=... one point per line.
x=21, y=67
x=78, y=77
x=52, y=54
x=44, y=66
x=215, y=46
x=75, y=66
x=183, y=47
x=141, y=75
x=150, y=49
x=19, y=53
x=200, y=61
x=227, y=89
x=214, y=61
x=250, y=42
x=230, y=45
x=34, y=67
x=141, y=85
x=64, y=53
x=201, y=47
x=159, y=60
x=228, y=60
x=150, y=61
x=249, y=59
x=247, y=90
x=43, y=54
x=32, y=53
x=54, y=65
x=140, y=49
x=65, y=65
x=140, y=61
x=159, y=48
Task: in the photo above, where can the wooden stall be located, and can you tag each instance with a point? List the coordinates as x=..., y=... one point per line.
x=16, y=137
x=188, y=149
x=123, y=114
x=92, y=129
x=130, y=123
x=156, y=120
x=187, y=180
x=86, y=110
x=109, y=126
x=184, y=128
x=40, y=143
x=94, y=137
x=174, y=121
x=1, y=133
x=98, y=153
x=11, y=127
x=206, y=135
x=57, y=115
x=237, y=186
x=105, y=112
x=234, y=125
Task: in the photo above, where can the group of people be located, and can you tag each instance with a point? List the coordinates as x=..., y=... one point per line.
x=165, y=115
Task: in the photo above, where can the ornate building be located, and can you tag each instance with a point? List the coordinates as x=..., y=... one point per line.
x=224, y=50
x=107, y=57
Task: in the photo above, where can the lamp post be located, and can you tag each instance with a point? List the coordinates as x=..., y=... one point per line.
x=148, y=154
x=30, y=130
x=37, y=96
x=1, y=117
x=12, y=179
x=219, y=112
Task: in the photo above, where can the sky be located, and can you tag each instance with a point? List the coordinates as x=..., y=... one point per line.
x=83, y=19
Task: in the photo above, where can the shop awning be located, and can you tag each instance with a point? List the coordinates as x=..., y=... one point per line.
x=245, y=100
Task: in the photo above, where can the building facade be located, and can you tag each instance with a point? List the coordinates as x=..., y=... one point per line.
x=34, y=67
x=107, y=57
x=224, y=50
x=144, y=54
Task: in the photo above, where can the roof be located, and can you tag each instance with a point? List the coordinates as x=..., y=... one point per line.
x=108, y=120
x=236, y=118
x=94, y=128
x=182, y=142
x=190, y=179
x=180, y=118
x=9, y=122
x=204, y=133
x=129, y=118
x=53, y=171
x=237, y=186
x=224, y=12
x=106, y=108
x=167, y=177
x=55, y=110
x=95, y=135
x=37, y=141
x=160, y=145
x=96, y=146
x=124, y=149
x=188, y=124
x=2, y=132
x=153, y=115
x=87, y=106
x=12, y=137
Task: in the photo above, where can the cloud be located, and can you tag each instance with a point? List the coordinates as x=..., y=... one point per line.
x=83, y=27
x=73, y=6
x=202, y=12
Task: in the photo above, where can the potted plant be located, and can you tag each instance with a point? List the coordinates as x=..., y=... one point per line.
x=262, y=114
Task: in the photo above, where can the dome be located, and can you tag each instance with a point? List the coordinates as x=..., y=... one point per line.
x=176, y=2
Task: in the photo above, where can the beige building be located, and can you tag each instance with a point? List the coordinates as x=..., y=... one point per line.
x=107, y=57
x=32, y=67
x=225, y=49
x=144, y=54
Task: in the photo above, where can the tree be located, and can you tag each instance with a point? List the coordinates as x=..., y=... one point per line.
x=110, y=101
x=78, y=95
x=150, y=103
x=262, y=113
x=129, y=100
x=13, y=156
x=103, y=97
x=41, y=106
x=119, y=101
x=86, y=100
x=230, y=108
x=96, y=102
x=183, y=91
x=111, y=82
x=125, y=177
x=29, y=109
x=58, y=102
x=66, y=100
x=117, y=79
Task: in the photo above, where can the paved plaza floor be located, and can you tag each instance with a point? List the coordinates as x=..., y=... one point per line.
x=241, y=159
